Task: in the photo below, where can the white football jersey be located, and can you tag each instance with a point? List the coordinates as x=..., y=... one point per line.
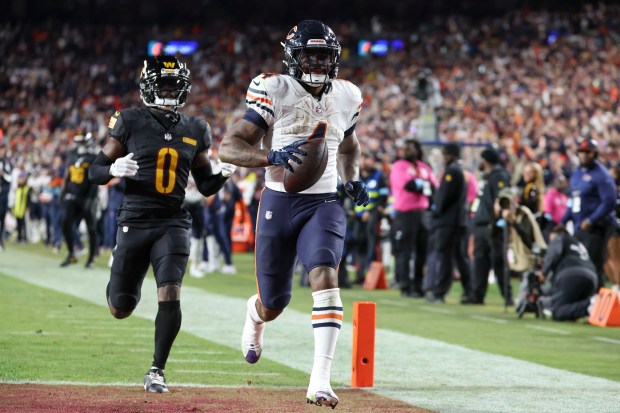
x=291, y=113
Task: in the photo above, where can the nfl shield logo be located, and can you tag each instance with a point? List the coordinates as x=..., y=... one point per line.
x=168, y=137
x=318, y=109
x=268, y=215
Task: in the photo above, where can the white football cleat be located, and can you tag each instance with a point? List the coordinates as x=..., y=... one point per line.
x=252, y=337
x=195, y=272
x=322, y=396
x=229, y=269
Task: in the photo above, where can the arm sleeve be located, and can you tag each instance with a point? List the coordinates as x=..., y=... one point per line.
x=207, y=137
x=607, y=192
x=553, y=255
x=206, y=182
x=99, y=170
x=357, y=107
x=260, y=106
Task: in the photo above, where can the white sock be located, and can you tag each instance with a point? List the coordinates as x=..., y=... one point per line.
x=326, y=322
x=252, y=310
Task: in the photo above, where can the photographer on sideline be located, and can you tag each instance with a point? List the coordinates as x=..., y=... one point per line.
x=524, y=231
x=524, y=234
x=572, y=274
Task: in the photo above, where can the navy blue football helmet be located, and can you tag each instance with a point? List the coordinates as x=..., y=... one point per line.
x=164, y=81
x=312, y=53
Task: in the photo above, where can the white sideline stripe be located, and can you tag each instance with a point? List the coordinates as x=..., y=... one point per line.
x=435, y=310
x=548, y=329
x=428, y=373
x=218, y=372
x=89, y=326
x=71, y=318
x=393, y=303
x=214, y=353
x=489, y=319
x=606, y=340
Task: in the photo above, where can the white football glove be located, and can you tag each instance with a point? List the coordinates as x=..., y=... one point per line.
x=124, y=166
x=227, y=169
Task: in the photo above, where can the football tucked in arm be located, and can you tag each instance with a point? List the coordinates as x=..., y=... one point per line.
x=310, y=170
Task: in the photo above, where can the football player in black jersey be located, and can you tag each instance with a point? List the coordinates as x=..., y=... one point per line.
x=79, y=198
x=154, y=148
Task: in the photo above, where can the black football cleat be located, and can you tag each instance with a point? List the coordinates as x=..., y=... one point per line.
x=68, y=261
x=154, y=381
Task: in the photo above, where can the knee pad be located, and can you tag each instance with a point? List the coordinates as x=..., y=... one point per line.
x=323, y=257
x=124, y=302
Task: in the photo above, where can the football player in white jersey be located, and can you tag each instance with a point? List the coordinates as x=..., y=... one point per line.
x=283, y=112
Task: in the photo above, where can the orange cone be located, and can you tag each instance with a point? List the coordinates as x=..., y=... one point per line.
x=375, y=277
x=606, y=309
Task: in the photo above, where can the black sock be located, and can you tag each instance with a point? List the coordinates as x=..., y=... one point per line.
x=167, y=326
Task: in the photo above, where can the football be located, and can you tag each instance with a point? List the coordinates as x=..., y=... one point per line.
x=312, y=166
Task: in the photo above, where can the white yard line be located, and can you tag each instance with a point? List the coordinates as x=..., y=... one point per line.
x=489, y=319
x=196, y=352
x=435, y=310
x=393, y=303
x=216, y=372
x=547, y=329
x=428, y=373
x=606, y=340
x=205, y=361
x=90, y=326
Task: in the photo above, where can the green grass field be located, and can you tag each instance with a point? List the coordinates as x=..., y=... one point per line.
x=49, y=336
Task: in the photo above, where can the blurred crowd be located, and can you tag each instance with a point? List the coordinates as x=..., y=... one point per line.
x=529, y=84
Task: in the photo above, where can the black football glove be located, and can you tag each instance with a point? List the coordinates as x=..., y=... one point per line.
x=358, y=191
x=281, y=157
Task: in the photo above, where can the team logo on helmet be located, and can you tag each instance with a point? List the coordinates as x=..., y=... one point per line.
x=291, y=34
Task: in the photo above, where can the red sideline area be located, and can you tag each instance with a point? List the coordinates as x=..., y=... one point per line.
x=35, y=398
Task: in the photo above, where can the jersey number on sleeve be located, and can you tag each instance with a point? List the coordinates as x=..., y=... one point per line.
x=172, y=168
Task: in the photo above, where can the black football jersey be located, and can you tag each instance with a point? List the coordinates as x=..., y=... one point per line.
x=164, y=148
x=77, y=182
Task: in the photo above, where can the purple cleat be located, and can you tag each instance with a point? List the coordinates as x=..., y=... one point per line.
x=252, y=338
